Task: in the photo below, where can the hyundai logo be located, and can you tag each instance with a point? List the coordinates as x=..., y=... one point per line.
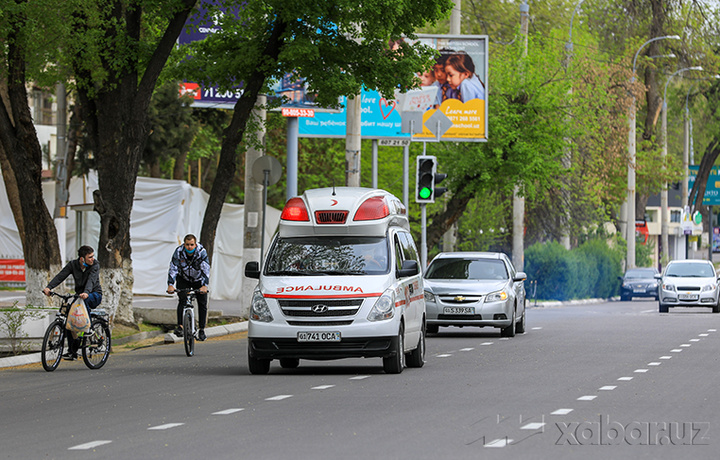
x=319, y=308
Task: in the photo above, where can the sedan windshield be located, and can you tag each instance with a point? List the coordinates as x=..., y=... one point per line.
x=639, y=274
x=690, y=270
x=467, y=269
x=311, y=256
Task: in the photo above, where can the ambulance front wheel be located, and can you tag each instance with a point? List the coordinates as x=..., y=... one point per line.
x=395, y=364
x=258, y=366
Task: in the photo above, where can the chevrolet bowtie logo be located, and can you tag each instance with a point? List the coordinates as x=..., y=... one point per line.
x=459, y=298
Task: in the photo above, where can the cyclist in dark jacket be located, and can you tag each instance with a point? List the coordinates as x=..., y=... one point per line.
x=190, y=269
x=85, y=270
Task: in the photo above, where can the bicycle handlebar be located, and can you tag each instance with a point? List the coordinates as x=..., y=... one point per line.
x=188, y=291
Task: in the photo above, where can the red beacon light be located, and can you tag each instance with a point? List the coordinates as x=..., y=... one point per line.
x=373, y=208
x=295, y=210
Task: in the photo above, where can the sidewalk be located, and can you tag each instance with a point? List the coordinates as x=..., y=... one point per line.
x=215, y=331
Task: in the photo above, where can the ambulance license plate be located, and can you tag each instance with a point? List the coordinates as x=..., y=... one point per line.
x=318, y=336
x=459, y=310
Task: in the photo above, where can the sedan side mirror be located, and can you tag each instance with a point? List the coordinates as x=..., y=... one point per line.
x=520, y=276
x=409, y=268
x=252, y=270
x=658, y=276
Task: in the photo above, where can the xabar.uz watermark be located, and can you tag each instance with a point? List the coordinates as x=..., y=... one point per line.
x=606, y=433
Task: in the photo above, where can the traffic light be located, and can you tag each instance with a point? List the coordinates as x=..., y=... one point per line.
x=427, y=179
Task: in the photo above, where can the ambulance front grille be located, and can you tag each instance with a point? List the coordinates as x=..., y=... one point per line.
x=320, y=308
x=320, y=323
x=331, y=217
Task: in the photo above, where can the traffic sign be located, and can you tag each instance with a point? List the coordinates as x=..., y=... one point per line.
x=712, y=188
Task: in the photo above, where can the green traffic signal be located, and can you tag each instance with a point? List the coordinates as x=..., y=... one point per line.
x=425, y=193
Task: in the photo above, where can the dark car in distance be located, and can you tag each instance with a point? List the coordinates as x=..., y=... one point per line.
x=639, y=282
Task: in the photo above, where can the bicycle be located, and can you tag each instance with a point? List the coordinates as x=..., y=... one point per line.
x=188, y=320
x=95, y=343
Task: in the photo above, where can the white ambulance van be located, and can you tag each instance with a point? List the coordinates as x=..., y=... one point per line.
x=341, y=279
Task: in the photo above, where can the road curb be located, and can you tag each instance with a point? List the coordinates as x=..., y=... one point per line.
x=215, y=331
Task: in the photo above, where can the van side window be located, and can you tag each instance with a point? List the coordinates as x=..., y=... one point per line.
x=398, y=254
x=408, y=246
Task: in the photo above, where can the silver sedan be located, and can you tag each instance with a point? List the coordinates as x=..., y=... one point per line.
x=688, y=283
x=474, y=289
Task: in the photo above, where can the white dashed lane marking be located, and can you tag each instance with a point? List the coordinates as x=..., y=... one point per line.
x=694, y=340
x=445, y=355
x=587, y=398
x=499, y=442
x=533, y=426
x=625, y=379
x=467, y=349
x=676, y=350
x=165, y=426
x=536, y=328
x=654, y=364
x=486, y=343
x=359, y=377
x=227, y=411
x=89, y=445
x=666, y=357
x=278, y=397
x=640, y=371
x=322, y=387
x=561, y=412
x=703, y=335
x=608, y=387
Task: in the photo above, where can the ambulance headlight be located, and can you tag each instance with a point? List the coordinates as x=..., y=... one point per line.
x=259, y=310
x=384, y=307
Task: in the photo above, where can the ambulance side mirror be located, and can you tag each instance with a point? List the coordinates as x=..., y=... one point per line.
x=252, y=270
x=409, y=268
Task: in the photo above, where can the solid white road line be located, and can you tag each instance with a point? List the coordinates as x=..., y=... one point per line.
x=227, y=411
x=89, y=445
x=165, y=426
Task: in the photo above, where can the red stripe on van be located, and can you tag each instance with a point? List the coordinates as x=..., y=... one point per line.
x=345, y=296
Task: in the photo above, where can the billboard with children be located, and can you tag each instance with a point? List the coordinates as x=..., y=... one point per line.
x=453, y=90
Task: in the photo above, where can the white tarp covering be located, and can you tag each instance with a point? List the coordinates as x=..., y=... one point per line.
x=164, y=211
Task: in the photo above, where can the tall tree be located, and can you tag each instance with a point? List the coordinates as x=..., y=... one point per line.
x=335, y=46
x=118, y=49
x=21, y=25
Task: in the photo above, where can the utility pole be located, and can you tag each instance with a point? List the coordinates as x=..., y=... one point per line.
x=253, y=207
x=353, y=141
x=449, y=237
x=61, y=173
x=518, y=249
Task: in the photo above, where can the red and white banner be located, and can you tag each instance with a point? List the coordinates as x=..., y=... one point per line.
x=12, y=270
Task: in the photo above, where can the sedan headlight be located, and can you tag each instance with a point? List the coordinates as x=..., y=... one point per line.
x=668, y=287
x=496, y=296
x=429, y=296
x=259, y=310
x=708, y=287
x=384, y=307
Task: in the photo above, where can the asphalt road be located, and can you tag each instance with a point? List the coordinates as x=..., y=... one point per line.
x=613, y=380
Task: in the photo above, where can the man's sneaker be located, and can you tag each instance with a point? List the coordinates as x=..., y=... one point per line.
x=70, y=356
x=201, y=335
x=179, y=331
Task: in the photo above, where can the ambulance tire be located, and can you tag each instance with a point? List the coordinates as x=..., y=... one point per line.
x=289, y=363
x=416, y=358
x=258, y=366
x=395, y=364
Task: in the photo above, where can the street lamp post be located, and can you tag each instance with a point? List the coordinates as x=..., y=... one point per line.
x=630, y=207
x=664, y=221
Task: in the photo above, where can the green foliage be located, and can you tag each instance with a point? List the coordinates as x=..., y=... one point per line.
x=589, y=271
x=12, y=321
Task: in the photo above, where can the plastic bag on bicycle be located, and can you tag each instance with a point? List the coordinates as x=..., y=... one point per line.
x=78, y=317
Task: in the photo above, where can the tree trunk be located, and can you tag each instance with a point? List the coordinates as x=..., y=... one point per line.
x=24, y=157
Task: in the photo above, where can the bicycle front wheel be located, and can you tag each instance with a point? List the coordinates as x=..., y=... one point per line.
x=96, y=344
x=52, y=346
x=189, y=333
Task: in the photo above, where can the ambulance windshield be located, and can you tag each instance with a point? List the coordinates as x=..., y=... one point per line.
x=341, y=255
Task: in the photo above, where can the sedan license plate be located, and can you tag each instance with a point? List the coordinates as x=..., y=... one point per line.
x=638, y=291
x=459, y=310
x=318, y=336
x=688, y=296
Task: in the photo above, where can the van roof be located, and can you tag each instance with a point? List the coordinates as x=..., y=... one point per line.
x=342, y=211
